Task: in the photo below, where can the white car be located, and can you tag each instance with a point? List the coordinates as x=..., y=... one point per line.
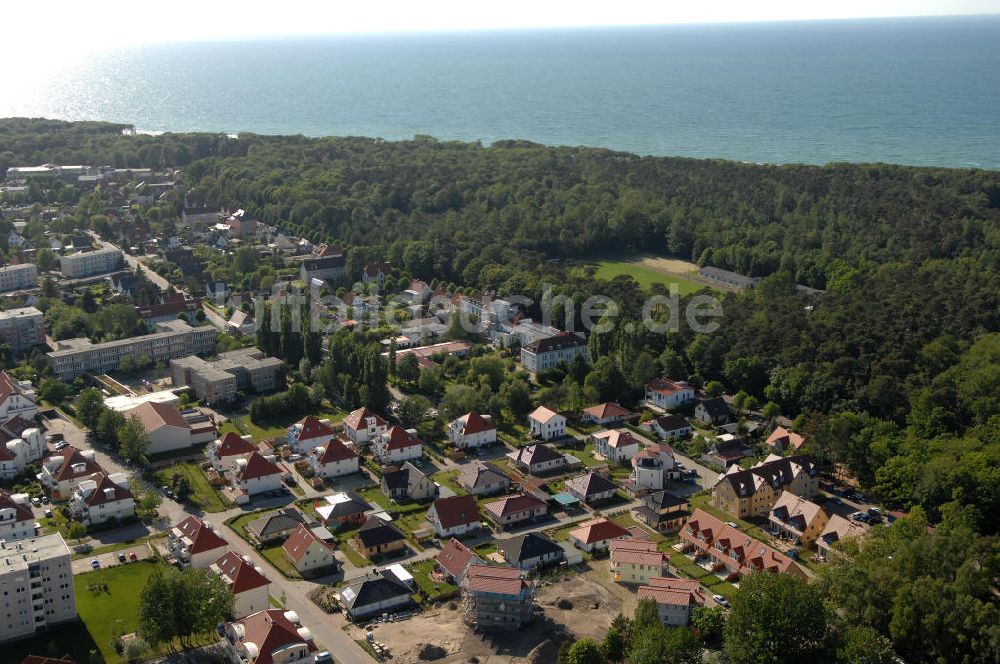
x=720, y=600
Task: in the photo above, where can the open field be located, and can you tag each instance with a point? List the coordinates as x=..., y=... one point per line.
x=649, y=270
x=275, y=427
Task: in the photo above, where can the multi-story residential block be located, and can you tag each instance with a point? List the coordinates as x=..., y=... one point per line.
x=665, y=393
x=273, y=636
x=245, y=580
x=797, y=519
x=676, y=599
x=219, y=380
x=326, y=263
x=18, y=454
x=102, y=498
x=22, y=328
x=36, y=586
x=63, y=472
x=546, y=424
x=472, y=431
x=497, y=597
x=637, y=561
x=18, y=277
x=195, y=544
x=754, y=491
x=88, y=263
x=16, y=519
x=74, y=357
x=550, y=352
x=732, y=553
x=362, y=426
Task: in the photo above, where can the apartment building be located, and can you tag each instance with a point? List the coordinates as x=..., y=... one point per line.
x=731, y=553
x=88, y=263
x=18, y=277
x=219, y=380
x=172, y=339
x=753, y=492
x=22, y=328
x=550, y=352
x=36, y=586
x=16, y=519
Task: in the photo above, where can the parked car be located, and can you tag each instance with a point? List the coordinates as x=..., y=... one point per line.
x=860, y=516
x=720, y=600
x=61, y=445
x=95, y=564
x=324, y=657
x=733, y=524
x=121, y=557
x=48, y=514
x=860, y=497
x=45, y=500
x=37, y=502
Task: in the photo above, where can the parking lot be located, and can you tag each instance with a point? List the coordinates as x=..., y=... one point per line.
x=85, y=564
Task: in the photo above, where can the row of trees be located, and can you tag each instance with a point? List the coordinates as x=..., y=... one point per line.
x=127, y=435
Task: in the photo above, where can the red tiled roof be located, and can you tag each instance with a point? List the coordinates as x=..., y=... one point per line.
x=312, y=428
x=618, y=438
x=21, y=512
x=270, y=630
x=239, y=574
x=454, y=557
x=8, y=386
x=258, y=466
x=71, y=456
x=6, y=454
x=456, y=511
x=299, y=542
x=335, y=451
x=598, y=530
x=475, y=423
x=99, y=497
x=356, y=419
x=786, y=437
x=17, y=425
x=521, y=502
x=609, y=409
x=498, y=579
x=400, y=438
x=202, y=537
x=233, y=444
x=665, y=387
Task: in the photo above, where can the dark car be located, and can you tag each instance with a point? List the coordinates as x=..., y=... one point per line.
x=121, y=558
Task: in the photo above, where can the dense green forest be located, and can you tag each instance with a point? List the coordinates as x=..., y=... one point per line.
x=892, y=371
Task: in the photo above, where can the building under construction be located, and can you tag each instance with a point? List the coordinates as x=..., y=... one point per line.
x=497, y=597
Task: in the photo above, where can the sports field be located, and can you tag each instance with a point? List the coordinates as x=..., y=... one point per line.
x=651, y=270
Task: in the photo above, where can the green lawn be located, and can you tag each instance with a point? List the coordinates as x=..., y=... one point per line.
x=586, y=455
x=275, y=427
x=276, y=556
x=433, y=589
x=71, y=639
x=643, y=275
x=203, y=495
x=448, y=478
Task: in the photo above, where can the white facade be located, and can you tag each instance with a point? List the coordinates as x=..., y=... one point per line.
x=16, y=519
x=669, y=394
x=22, y=328
x=18, y=277
x=21, y=452
x=19, y=400
x=87, y=263
x=36, y=586
x=458, y=433
x=547, y=425
x=96, y=501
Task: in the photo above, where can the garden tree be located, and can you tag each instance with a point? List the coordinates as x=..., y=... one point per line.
x=77, y=531
x=245, y=260
x=616, y=640
x=182, y=490
x=659, y=644
x=672, y=364
x=770, y=410
x=709, y=621
x=584, y=651
x=643, y=370
x=517, y=397
x=749, y=374
x=132, y=439
x=45, y=260
x=487, y=367
x=646, y=615
x=775, y=618
x=178, y=605
x=408, y=368
x=740, y=400
x=430, y=381
x=461, y=399
x=49, y=288
x=52, y=390
x=108, y=424
x=413, y=409
x=864, y=645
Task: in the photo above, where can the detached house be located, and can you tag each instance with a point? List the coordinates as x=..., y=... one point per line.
x=837, y=530
x=362, y=426
x=664, y=393
x=273, y=636
x=275, y=526
x=537, y=459
x=195, y=544
x=663, y=511
x=256, y=474
x=606, y=413
x=17, y=398
x=530, y=551
x=675, y=599
x=797, y=519
x=482, y=479
x=245, y=580
x=653, y=467
x=455, y=559
x=592, y=488
x=782, y=439
x=334, y=459
x=102, y=498
x=343, y=509
x=16, y=518
x=637, y=561
x=454, y=516
x=224, y=453
x=308, y=433
x=62, y=472
x=377, y=537
x=472, y=431
x=597, y=534
x=753, y=492
x=308, y=554
x=511, y=510
x=397, y=445
x=713, y=411
x=616, y=445
x=669, y=427
x=546, y=424
x=408, y=483
x=375, y=594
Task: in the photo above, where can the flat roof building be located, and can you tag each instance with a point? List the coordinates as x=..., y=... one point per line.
x=87, y=263
x=22, y=328
x=36, y=586
x=220, y=379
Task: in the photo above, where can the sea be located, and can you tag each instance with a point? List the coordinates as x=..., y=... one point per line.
x=922, y=91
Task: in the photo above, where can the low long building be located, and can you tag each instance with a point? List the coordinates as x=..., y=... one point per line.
x=731, y=552
x=74, y=357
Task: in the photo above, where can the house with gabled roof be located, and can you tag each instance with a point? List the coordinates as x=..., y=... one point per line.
x=397, y=445
x=753, y=492
x=102, y=498
x=309, y=554
x=733, y=553
x=275, y=526
x=273, y=636
x=256, y=474
x=713, y=411
x=550, y=352
x=245, y=580
x=592, y=488
x=676, y=599
x=637, y=561
x=308, y=433
x=668, y=427
x=835, y=533
x=224, y=451
x=797, y=519
x=16, y=518
x=334, y=459
x=472, y=431
x=374, y=594
x=455, y=559
x=530, y=551
x=546, y=424
x=515, y=509
x=378, y=538
x=663, y=511
x=597, y=534
x=343, y=509
x=363, y=425
x=165, y=427
x=17, y=398
x=195, y=544
x=454, y=516
x=482, y=479
x=407, y=483
x=537, y=459
x=782, y=439
x=616, y=445
x=609, y=412
x=63, y=471
x=665, y=393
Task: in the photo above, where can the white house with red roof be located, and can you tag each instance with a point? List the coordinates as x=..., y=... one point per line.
x=17, y=398
x=102, y=498
x=597, y=534
x=397, y=445
x=224, y=452
x=256, y=474
x=455, y=559
x=472, y=430
x=454, y=516
x=676, y=599
x=546, y=423
x=363, y=425
x=17, y=454
x=309, y=432
x=62, y=472
x=616, y=445
x=606, y=413
x=665, y=393
x=515, y=509
x=308, y=553
x=245, y=580
x=16, y=519
x=194, y=543
x=274, y=636
x=334, y=459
